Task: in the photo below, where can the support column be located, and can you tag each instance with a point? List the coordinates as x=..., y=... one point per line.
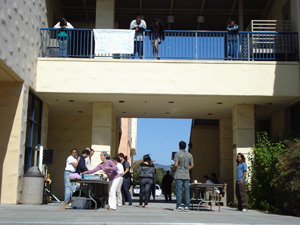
x=241, y=15
x=101, y=130
x=105, y=14
x=243, y=126
x=295, y=17
x=13, y=107
x=225, y=148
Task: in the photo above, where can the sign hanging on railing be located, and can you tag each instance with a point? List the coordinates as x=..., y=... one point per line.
x=114, y=41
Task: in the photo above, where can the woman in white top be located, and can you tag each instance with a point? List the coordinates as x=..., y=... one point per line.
x=71, y=165
x=63, y=36
x=116, y=161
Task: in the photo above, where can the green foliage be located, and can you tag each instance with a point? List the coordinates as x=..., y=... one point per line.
x=275, y=175
x=264, y=171
x=289, y=165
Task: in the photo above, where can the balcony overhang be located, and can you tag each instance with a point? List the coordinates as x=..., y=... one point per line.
x=149, y=87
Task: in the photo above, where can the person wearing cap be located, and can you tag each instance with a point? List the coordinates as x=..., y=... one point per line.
x=63, y=36
x=111, y=171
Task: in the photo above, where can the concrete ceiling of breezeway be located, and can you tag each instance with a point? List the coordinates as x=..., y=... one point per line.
x=164, y=106
x=217, y=13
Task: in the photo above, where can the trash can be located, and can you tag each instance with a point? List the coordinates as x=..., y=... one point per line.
x=33, y=187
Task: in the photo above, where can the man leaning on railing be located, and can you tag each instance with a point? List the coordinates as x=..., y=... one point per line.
x=139, y=25
x=233, y=40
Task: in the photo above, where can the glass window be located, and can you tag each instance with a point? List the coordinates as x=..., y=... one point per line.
x=33, y=132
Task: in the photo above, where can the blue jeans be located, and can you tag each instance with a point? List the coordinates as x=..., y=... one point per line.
x=69, y=187
x=179, y=184
x=63, y=47
x=145, y=185
x=138, y=48
x=125, y=191
x=233, y=48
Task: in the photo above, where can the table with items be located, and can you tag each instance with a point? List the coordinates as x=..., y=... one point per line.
x=201, y=193
x=90, y=186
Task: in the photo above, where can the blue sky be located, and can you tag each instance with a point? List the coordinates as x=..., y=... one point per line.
x=160, y=137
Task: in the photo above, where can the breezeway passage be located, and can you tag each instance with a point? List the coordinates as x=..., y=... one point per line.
x=158, y=213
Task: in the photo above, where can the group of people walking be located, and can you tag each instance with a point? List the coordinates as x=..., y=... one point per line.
x=118, y=173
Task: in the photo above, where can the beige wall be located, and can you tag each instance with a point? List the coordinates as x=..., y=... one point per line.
x=21, y=21
x=66, y=131
x=226, y=156
x=13, y=107
x=205, y=151
x=105, y=14
x=278, y=123
x=171, y=77
x=276, y=10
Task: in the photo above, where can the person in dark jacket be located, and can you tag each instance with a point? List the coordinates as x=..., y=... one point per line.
x=156, y=35
x=81, y=161
x=167, y=186
x=146, y=172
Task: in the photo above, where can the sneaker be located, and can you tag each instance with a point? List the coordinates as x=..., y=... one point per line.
x=179, y=209
x=119, y=204
x=66, y=204
x=245, y=210
x=186, y=209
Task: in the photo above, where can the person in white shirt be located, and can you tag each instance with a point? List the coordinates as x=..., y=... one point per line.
x=139, y=25
x=117, y=161
x=63, y=36
x=71, y=165
x=88, y=159
x=206, y=180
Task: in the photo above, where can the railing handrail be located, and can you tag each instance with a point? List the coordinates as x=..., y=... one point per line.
x=191, y=31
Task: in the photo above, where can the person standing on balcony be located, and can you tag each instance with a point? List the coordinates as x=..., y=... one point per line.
x=63, y=36
x=232, y=40
x=156, y=36
x=139, y=25
x=183, y=164
x=240, y=189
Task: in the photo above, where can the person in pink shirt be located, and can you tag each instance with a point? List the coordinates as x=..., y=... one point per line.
x=111, y=171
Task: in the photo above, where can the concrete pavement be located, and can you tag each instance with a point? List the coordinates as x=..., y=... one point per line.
x=158, y=213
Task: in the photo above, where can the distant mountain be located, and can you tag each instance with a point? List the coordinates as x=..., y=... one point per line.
x=165, y=167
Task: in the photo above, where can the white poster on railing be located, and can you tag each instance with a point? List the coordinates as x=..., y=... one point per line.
x=114, y=41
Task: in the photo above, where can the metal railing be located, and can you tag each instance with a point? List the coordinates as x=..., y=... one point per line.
x=181, y=45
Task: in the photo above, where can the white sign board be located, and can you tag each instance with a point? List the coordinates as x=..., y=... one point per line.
x=114, y=41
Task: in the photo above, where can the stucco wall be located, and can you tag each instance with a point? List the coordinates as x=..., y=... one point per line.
x=205, y=151
x=13, y=108
x=171, y=77
x=66, y=131
x=20, y=23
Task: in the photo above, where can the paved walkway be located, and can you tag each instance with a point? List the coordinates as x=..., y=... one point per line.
x=157, y=213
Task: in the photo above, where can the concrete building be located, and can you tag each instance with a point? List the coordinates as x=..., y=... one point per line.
x=61, y=103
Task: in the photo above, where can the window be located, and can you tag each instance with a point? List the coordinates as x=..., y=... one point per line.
x=33, y=132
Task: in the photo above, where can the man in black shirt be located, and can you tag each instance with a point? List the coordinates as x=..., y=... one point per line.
x=126, y=180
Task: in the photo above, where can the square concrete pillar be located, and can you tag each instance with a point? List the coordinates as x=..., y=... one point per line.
x=243, y=126
x=105, y=14
x=102, y=127
x=226, y=160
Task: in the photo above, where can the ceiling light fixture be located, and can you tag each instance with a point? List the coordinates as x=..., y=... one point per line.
x=171, y=102
x=219, y=103
x=121, y=101
x=209, y=114
x=71, y=100
x=80, y=111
